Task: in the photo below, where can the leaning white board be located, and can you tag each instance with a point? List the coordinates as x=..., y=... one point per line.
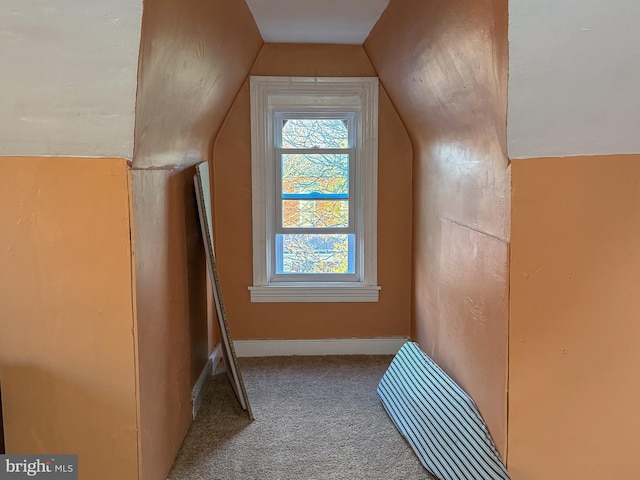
x=203, y=196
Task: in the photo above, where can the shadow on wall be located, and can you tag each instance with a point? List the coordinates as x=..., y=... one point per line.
x=1, y=426
x=189, y=245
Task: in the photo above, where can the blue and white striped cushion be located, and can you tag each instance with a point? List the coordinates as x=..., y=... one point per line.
x=438, y=419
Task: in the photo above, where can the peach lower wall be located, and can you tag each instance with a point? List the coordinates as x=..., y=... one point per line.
x=173, y=345
x=574, y=387
x=445, y=67
x=67, y=364
x=194, y=56
x=232, y=198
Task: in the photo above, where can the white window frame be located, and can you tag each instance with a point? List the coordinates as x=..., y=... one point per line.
x=273, y=97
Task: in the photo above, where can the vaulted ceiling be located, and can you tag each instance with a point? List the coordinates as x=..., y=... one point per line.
x=70, y=71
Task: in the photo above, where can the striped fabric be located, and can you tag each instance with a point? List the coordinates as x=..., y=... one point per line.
x=438, y=419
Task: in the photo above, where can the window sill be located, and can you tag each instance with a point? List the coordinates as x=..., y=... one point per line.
x=334, y=292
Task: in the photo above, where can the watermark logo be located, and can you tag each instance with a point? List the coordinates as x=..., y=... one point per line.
x=49, y=467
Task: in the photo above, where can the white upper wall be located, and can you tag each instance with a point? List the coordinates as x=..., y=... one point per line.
x=574, y=83
x=323, y=21
x=69, y=73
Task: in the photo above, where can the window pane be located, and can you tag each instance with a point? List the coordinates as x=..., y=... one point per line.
x=315, y=213
x=315, y=253
x=315, y=133
x=315, y=173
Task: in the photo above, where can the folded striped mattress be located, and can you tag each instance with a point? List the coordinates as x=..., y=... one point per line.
x=438, y=419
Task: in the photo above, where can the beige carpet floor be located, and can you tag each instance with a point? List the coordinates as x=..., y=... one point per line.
x=315, y=418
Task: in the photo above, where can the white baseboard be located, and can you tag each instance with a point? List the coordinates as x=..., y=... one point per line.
x=198, y=389
x=329, y=346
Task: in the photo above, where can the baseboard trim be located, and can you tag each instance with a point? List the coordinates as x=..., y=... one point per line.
x=329, y=346
x=198, y=389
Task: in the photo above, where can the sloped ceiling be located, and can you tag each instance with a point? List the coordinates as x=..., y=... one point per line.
x=310, y=21
x=194, y=56
x=574, y=66
x=70, y=71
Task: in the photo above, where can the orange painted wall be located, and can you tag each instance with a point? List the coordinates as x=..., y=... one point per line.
x=194, y=57
x=171, y=310
x=232, y=189
x=445, y=67
x=574, y=387
x=67, y=363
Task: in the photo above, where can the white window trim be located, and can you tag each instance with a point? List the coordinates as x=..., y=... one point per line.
x=269, y=94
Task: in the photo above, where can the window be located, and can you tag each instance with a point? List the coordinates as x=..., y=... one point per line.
x=314, y=174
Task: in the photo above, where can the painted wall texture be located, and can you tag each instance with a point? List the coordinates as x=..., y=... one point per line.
x=194, y=57
x=574, y=387
x=232, y=194
x=171, y=311
x=445, y=66
x=573, y=78
x=67, y=364
x=68, y=84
